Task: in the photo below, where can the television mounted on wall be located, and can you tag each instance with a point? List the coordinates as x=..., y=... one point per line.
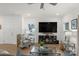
x=46, y=27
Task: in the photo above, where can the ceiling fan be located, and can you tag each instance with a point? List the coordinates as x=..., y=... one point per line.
x=42, y=4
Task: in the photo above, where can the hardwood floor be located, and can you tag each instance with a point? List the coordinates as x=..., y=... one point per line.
x=12, y=48
x=26, y=51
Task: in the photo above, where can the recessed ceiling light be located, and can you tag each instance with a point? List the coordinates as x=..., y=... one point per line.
x=28, y=14
x=57, y=14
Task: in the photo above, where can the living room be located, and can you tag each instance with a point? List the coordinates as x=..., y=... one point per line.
x=28, y=26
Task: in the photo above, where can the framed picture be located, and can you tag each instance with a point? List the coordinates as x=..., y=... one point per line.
x=66, y=26
x=30, y=26
x=74, y=24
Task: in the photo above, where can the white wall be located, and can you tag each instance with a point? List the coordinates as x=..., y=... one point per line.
x=68, y=18
x=1, y=31
x=11, y=26
x=35, y=21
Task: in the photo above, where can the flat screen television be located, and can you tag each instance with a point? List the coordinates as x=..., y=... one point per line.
x=48, y=27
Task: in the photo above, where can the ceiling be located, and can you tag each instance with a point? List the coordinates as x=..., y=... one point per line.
x=34, y=10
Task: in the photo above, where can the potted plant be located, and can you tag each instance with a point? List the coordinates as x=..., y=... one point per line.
x=41, y=43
